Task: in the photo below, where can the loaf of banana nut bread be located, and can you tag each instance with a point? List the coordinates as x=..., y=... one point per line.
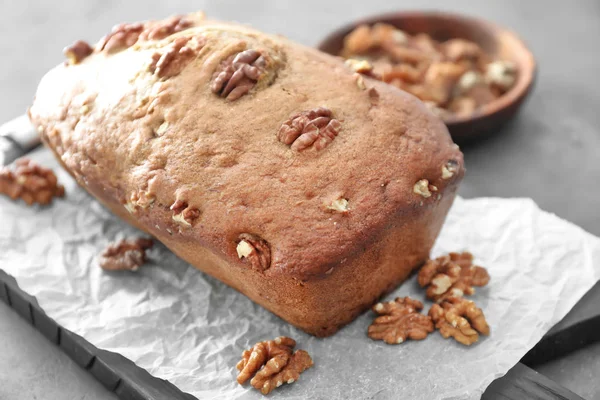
x=277, y=169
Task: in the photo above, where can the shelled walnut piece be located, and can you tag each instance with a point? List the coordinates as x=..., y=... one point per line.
x=121, y=37
x=183, y=213
x=76, y=52
x=254, y=250
x=454, y=77
x=311, y=128
x=238, y=74
x=125, y=35
x=175, y=57
x=459, y=318
x=272, y=363
x=157, y=30
x=452, y=275
x=30, y=182
x=125, y=255
x=400, y=320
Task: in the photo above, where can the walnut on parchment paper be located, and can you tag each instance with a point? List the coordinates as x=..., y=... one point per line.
x=439, y=274
x=77, y=52
x=176, y=57
x=459, y=318
x=125, y=255
x=316, y=127
x=400, y=320
x=272, y=363
x=452, y=275
x=254, y=250
x=238, y=74
x=30, y=182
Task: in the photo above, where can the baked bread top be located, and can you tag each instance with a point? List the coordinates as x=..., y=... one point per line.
x=271, y=154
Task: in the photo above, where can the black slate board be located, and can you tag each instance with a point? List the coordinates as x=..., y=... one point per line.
x=128, y=381
x=579, y=328
x=117, y=373
x=521, y=382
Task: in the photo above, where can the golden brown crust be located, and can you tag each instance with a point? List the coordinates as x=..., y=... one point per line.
x=141, y=143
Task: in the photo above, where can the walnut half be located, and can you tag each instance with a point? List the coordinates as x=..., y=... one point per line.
x=77, y=52
x=157, y=30
x=272, y=363
x=400, y=320
x=238, y=74
x=30, y=182
x=453, y=275
x=439, y=275
x=125, y=255
x=461, y=319
x=316, y=127
x=121, y=37
x=176, y=57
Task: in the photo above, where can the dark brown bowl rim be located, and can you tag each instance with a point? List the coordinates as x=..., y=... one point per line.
x=525, y=78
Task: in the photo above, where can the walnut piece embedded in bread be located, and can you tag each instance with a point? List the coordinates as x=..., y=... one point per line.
x=316, y=127
x=238, y=74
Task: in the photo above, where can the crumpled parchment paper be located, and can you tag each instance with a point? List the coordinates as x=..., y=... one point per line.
x=189, y=328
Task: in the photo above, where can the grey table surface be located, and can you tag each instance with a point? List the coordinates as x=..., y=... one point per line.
x=549, y=153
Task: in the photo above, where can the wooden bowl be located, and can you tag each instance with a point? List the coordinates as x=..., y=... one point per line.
x=498, y=42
